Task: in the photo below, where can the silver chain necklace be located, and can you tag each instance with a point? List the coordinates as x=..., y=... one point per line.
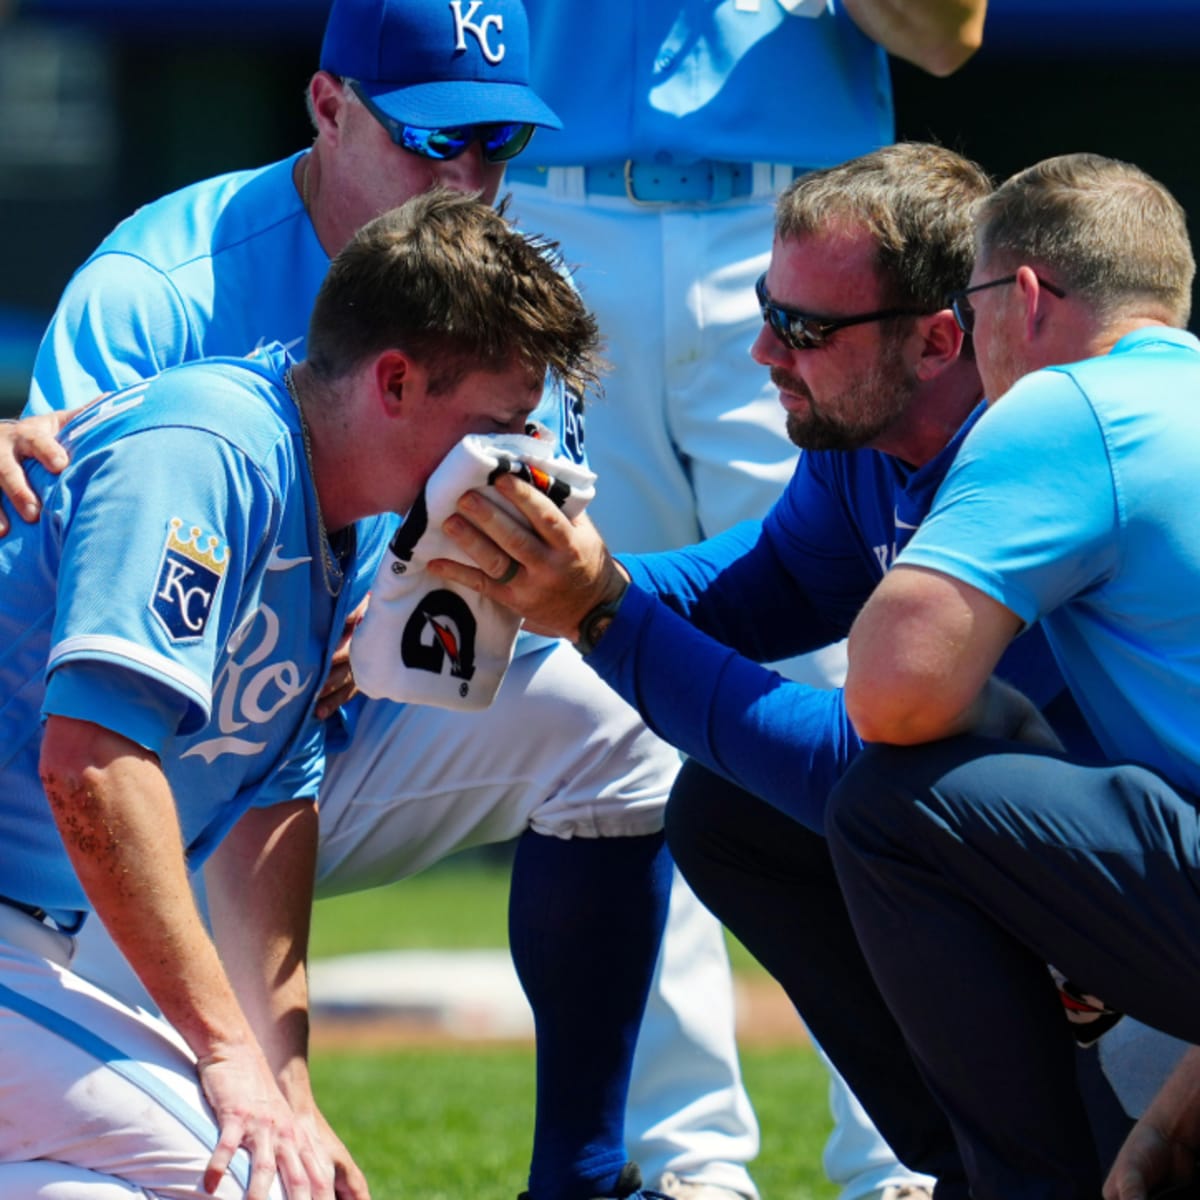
x=333, y=576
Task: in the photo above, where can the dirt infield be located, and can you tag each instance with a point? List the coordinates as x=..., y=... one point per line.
x=765, y=1017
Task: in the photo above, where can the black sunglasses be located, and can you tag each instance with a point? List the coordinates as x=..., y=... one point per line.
x=964, y=310
x=500, y=141
x=803, y=331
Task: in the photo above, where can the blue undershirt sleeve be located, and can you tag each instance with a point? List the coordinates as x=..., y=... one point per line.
x=786, y=742
x=735, y=588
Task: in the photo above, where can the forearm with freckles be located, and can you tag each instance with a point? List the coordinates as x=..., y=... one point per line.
x=116, y=816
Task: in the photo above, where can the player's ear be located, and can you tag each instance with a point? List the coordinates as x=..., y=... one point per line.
x=940, y=343
x=1030, y=294
x=327, y=98
x=397, y=380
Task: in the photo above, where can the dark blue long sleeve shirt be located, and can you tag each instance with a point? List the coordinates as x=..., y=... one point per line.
x=687, y=644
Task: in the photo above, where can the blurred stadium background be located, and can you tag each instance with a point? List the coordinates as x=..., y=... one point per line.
x=105, y=104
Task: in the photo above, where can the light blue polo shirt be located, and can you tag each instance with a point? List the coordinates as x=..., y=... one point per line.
x=1075, y=500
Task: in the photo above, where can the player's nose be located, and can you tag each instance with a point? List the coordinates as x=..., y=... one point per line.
x=767, y=350
x=466, y=171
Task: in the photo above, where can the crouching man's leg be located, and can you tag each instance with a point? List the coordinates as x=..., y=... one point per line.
x=561, y=762
x=975, y=863
x=98, y=1101
x=771, y=881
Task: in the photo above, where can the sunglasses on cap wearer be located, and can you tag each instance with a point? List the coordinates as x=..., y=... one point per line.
x=804, y=331
x=501, y=142
x=964, y=310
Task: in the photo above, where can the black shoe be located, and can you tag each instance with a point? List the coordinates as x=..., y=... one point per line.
x=627, y=1187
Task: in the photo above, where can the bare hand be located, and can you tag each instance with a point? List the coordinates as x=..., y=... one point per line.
x=339, y=686
x=564, y=568
x=1148, y=1162
x=30, y=437
x=251, y=1111
x=349, y=1182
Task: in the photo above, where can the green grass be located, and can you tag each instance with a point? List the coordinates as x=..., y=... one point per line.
x=454, y=1122
x=460, y=904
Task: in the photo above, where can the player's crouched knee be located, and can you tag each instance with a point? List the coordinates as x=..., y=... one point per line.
x=612, y=774
x=697, y=809
x=869, y=800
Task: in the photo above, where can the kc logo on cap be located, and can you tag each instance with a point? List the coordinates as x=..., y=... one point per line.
x=468, y=24
x=437, y=64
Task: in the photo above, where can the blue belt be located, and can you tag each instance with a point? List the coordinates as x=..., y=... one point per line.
x=63, y=921
x=38, y=914
x=653, y=183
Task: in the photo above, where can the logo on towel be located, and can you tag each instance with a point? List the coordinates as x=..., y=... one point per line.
x=409, y=534
x=440, y=633
x=188, y=577
x=553, y=488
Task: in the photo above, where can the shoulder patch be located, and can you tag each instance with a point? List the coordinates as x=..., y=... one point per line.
x=189, y=574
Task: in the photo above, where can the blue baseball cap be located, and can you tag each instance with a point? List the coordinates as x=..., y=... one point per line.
x=437, y=63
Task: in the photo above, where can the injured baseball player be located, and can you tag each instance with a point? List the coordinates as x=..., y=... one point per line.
x=228, y=263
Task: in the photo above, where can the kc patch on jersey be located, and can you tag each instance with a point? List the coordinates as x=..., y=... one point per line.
x=189, y=574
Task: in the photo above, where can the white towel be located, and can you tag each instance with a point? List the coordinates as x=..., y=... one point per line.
x=430, y=641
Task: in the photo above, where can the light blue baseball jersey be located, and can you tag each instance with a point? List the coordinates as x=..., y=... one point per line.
x=1074, y=500
x=216, y=268
x=173, y=591
x=732, y=80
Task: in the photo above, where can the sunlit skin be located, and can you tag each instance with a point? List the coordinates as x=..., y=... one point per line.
x=409, y=426
x=483, y=402
x=1024, y=326
x=997, y=320
x=853, y=391
x=355, y=171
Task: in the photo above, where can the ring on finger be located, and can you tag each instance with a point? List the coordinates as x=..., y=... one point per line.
x=510, y=572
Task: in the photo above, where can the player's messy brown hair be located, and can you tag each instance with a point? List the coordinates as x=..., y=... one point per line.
x=914, y=198
x=1102, y=229
x=446, y=279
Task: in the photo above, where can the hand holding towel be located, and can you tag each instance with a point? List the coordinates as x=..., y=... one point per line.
x=429, y=641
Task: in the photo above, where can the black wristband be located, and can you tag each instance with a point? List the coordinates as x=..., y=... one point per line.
x=596, y=621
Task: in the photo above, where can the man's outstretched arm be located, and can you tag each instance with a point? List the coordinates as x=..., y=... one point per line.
x=34, y=437
x=935, y=35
